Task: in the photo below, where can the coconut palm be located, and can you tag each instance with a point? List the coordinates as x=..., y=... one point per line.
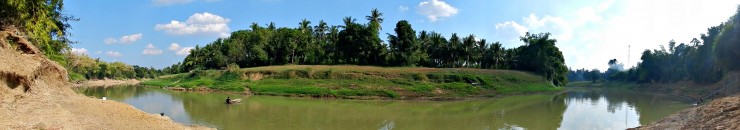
x=375, y=19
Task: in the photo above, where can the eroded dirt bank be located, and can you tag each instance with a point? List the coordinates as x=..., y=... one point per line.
x=720, y=114
x=35, y=94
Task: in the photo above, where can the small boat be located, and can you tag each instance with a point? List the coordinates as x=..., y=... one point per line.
x=232, y=101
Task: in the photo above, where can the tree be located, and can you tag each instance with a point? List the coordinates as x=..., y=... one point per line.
x=540, y=55
x=42, y=21
x=404, y=46
x=375, y=19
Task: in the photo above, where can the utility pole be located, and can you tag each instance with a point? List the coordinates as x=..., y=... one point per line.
x=628, y=53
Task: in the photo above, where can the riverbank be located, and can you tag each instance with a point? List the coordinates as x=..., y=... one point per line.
x=689, y=90
x=721, y=114
x=35, y=94
x=362, y=82
x=105, y=83
x=717, y=108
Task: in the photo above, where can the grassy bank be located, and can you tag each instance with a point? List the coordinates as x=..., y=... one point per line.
x=362, y=81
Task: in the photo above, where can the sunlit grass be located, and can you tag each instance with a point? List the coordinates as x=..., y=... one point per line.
x=350, y=80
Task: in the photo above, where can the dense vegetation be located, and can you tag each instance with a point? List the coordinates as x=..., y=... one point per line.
x=348, y=81
x=360, y=44
x=704, y=60
x=82, y=67
x=42, y=21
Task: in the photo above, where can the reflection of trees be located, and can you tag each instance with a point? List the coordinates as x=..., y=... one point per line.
x=650, y=107
x=115, y=92
x=532, y=111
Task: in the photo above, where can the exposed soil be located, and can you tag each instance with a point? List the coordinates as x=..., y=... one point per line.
x=720, y=114
x=35, y=94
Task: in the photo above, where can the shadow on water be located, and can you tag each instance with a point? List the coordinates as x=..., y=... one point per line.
x=577, y=109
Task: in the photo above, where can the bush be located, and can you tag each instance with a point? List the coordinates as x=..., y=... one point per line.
x=421, y=77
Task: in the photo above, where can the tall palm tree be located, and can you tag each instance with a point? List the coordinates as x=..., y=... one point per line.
x=375, y=18
x=305, y=27
x=348, y=21
x=467, y=46
x=321, y=29
x=498, y=54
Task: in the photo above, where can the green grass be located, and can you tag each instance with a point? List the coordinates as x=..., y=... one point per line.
x=349, y=81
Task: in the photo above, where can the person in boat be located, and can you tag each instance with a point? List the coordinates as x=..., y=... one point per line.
x=228, y=100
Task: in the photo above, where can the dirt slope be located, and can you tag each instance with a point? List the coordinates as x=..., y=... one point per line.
x=721, y=113
x=34, y=94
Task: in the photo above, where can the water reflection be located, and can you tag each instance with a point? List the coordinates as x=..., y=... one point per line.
x=579, y=109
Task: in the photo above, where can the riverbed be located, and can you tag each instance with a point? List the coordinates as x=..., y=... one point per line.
x=580, y=108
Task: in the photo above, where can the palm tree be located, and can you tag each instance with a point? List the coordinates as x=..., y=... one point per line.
x=467, y=46
x=498, y=54
x=348, y=21
x=375, y=19
x=305, y=27
x=321, y=29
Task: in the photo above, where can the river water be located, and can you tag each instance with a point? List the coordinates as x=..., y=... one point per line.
x=580, y=108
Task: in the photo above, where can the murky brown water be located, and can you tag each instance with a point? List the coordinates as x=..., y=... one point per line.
x=582, y=108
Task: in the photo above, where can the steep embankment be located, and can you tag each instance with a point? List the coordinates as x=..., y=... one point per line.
x=362, y=82
x=34, y=94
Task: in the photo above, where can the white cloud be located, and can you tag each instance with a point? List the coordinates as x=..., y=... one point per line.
x=403, y=8
x=79, y=51
x=557, y=26
x=170, y=2
x=198, y=24
x=113, y=54
x=124, y=39
x=435, y=9
x=110, y=40
x=174, y=47
x=184, y=51
x=98, y=52
x=510, y=31
x=151, y=50
x=130, y=38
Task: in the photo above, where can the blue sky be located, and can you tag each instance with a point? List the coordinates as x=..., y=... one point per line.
x=158, y=33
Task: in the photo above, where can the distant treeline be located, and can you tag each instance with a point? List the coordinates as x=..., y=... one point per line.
x=360, y=44
x=82, y=67
x=703, y=60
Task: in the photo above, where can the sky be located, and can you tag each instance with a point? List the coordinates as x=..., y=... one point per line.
x=159, y=33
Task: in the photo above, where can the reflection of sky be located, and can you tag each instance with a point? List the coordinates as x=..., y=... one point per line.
x=163, y=104
x=580, y=110
x=593, y=114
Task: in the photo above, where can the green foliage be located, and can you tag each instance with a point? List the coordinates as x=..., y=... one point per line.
x=348, y=81
x=404, y=48
x=359, y=44
x=540, y=55
x=728, y=42
x=42, y=21
x=95, y=69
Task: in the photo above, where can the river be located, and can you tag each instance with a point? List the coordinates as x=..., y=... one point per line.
x=580, y=108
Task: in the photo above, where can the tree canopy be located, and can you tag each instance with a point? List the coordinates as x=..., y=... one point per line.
x=360, y=44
